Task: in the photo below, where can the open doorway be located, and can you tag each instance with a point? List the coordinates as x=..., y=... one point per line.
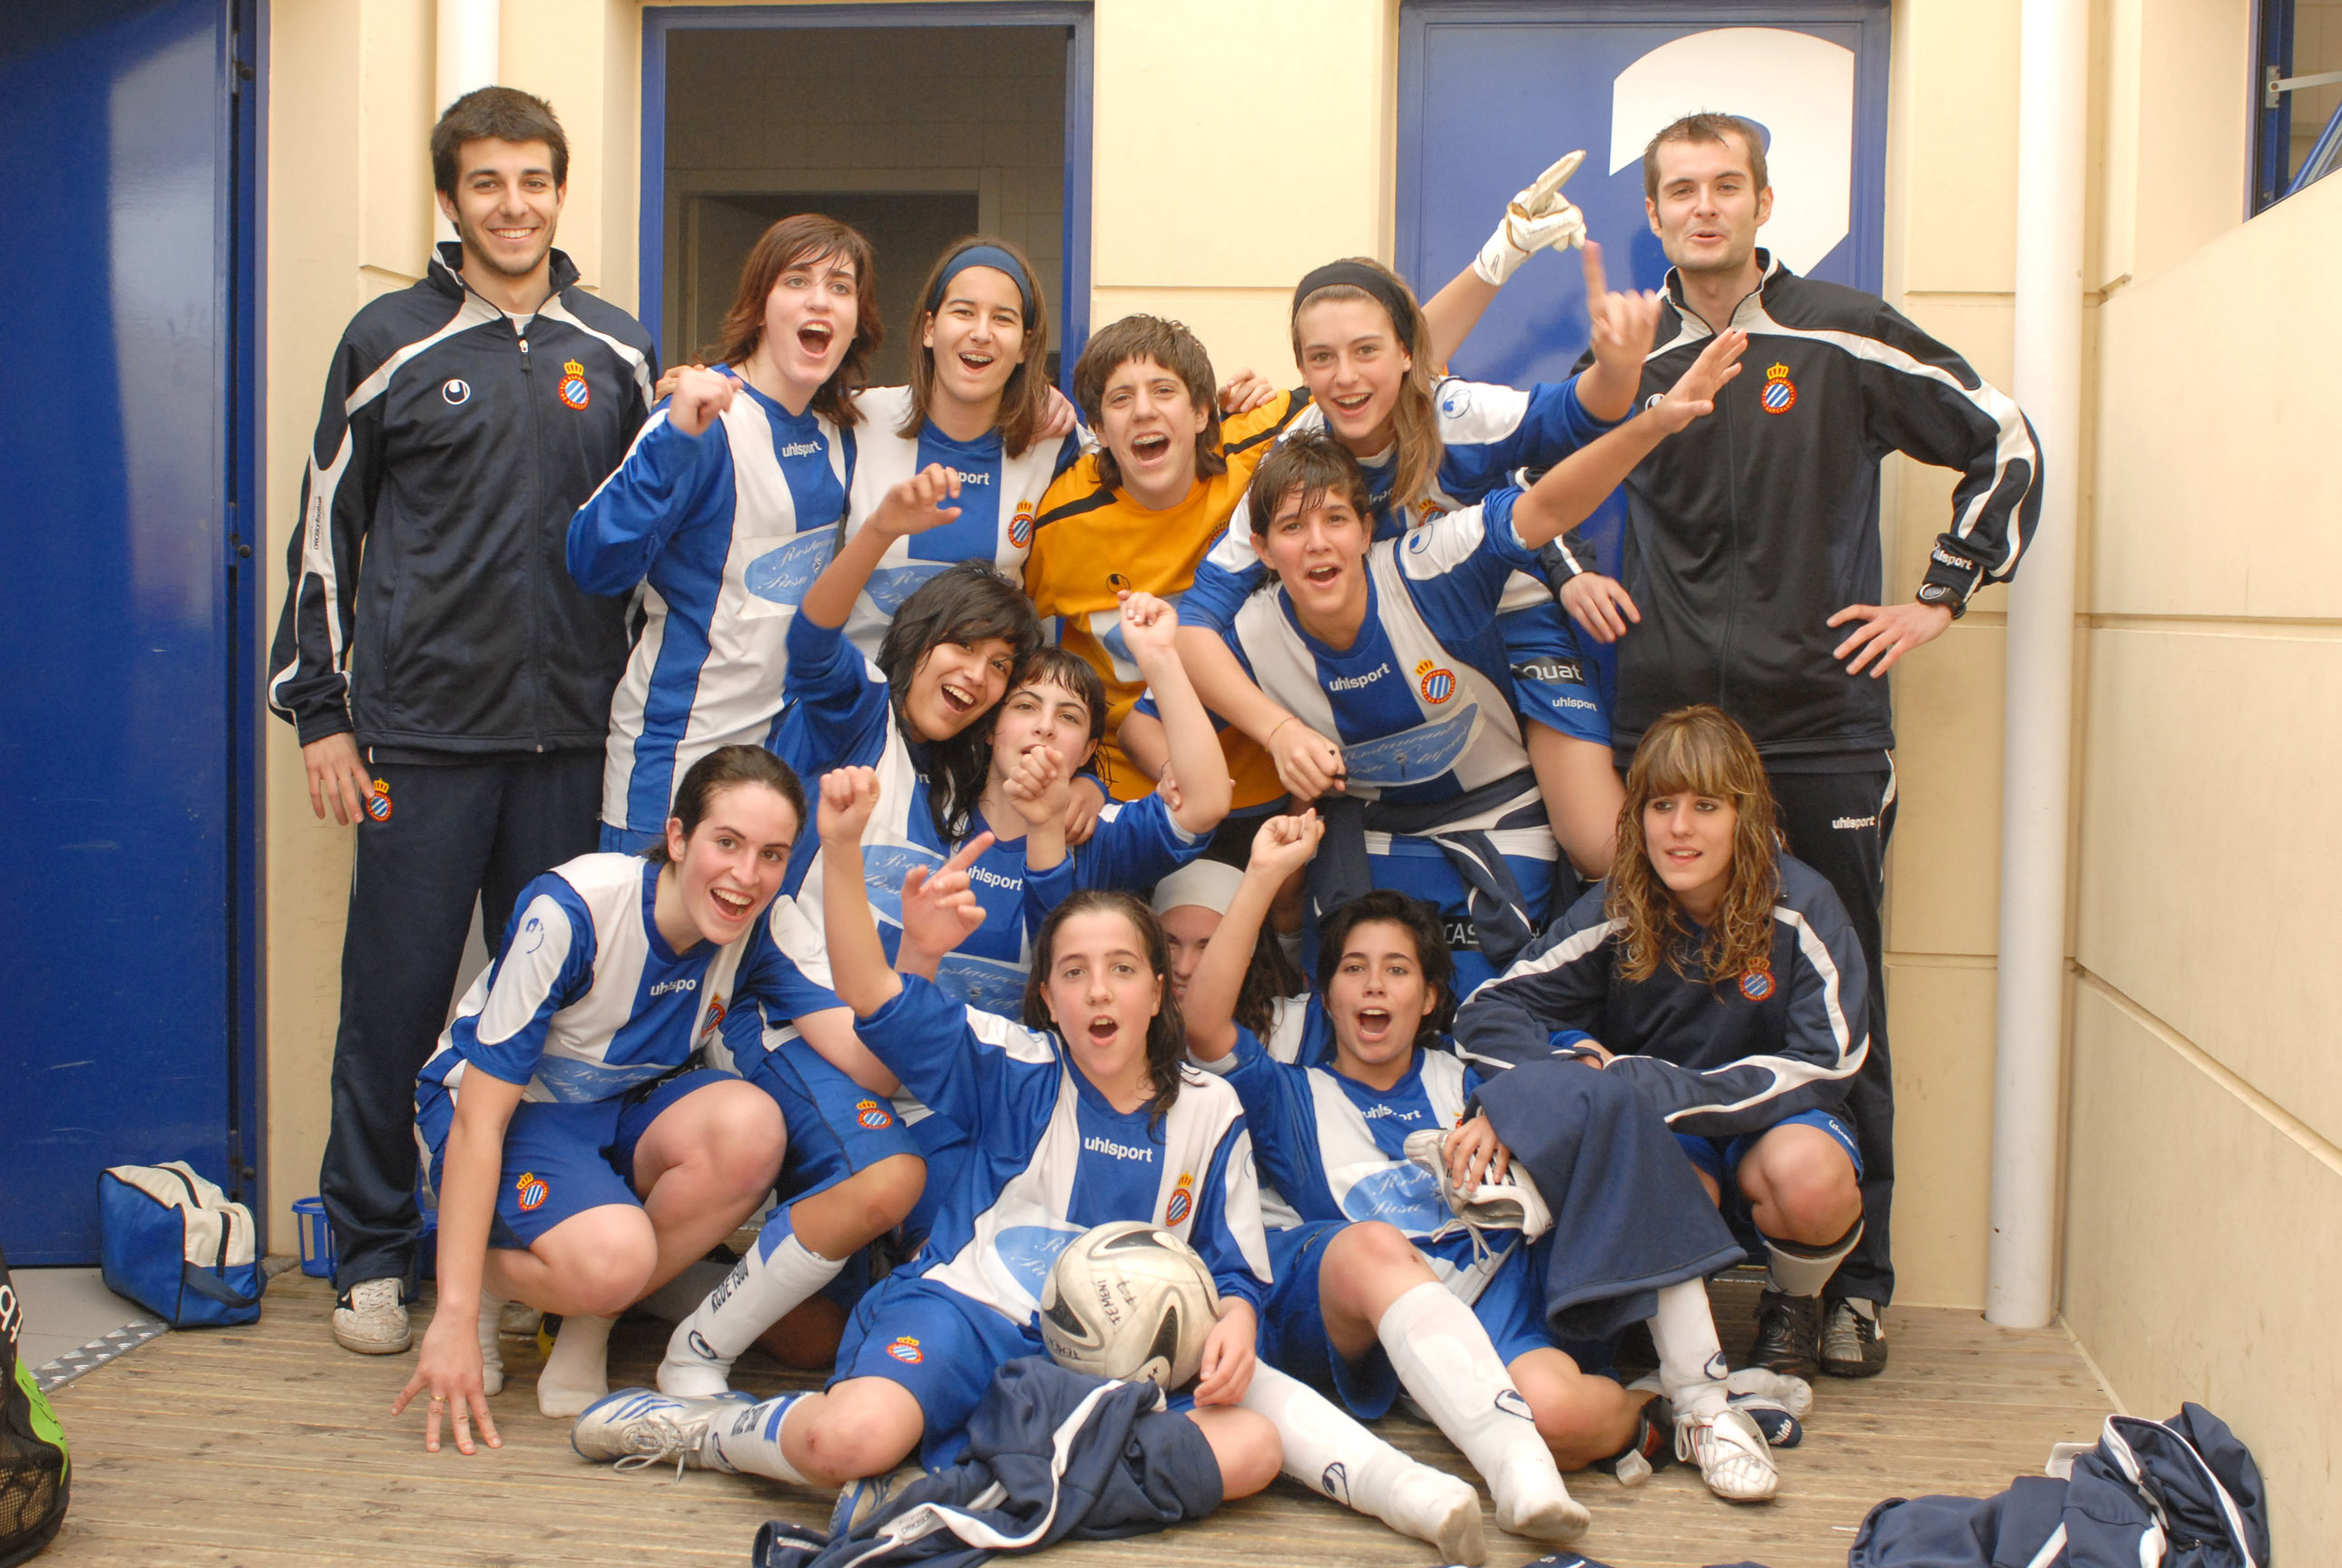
x=915, y=131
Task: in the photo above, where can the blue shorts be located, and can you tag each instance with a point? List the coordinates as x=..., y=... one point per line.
x=561, y=1158
x=1293, y=1324
x=1554, y=684
x=939, y=1345
x=628, y=840
x=1720, y=1157
x=836, y=1127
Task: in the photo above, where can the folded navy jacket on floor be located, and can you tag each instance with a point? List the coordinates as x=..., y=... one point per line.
x=2178, y=1494
x=1051, y=1454
x=1630, y=1215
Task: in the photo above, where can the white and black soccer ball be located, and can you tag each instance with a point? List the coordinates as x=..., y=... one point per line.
x=1129, y=1300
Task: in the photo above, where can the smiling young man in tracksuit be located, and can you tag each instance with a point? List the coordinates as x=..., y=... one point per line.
x=1753, y=580
x=449, y=681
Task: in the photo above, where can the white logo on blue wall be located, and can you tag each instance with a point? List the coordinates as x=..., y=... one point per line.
x=1029, y=1251
x=782, y=576
x=1798, y=88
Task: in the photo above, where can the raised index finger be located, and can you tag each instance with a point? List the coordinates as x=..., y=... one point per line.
x=1597, y=279
x=969, y=853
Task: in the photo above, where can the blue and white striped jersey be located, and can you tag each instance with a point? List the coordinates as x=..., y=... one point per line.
x=998, y=497
x=1053, y=1158
x=1421, y=701
x=726, y=531
x=1332, y=1148
x=585, y=1000
x=1487, y=432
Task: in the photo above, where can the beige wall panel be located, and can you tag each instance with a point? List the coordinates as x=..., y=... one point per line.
x=1238, y=145
x=319, y=119
x=1940, y=1019
x=2118, y=39
x=1944, y=877
x=1243, y=329
x=2223, y=932
x=2202, y=1252
x=558, y=49
x=1957, y=70
x=395, y=40
x=2215, y=482
x=2194, y=70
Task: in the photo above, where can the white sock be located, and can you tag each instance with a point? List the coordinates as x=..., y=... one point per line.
x=751, y=1440
x=779, y=1273
x=1329, y=1452
x=492, y=1355
x=1444, y=1358
x=1691, y=1362
x=578, y=1373
x=1795, y=1269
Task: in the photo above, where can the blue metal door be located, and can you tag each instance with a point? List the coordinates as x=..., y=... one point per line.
x=124, y=160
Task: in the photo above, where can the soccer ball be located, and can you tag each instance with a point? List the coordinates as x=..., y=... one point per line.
x=1129, y=1300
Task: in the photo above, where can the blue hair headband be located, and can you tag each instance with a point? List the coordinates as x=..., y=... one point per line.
x=995, y=258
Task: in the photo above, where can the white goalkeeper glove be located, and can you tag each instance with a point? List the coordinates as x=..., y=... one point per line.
x=1535, y=219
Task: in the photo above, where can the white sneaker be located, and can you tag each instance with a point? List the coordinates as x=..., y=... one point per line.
x=1512, y=1204
x=1532, y=1501
x=371, y=1320
x=640, y=1427
x=1433, y=1505
x=692, y=1369
x=858, y=1500
x=1731, y=1453
x=519, y=1320
x=1794, y=1394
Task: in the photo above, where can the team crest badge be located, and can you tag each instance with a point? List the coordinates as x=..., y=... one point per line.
x=906, y=1351
x=1757, y=985
x=531, y=1190
x=1181, y=1200
x=1020, y=526
x=1437, y=683
x=1780, y=394
x=574, y=392
x=377, y=804
x=715, y=1017
x=872, y=1115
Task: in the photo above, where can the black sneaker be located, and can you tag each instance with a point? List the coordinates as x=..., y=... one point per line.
x=1789, y=1334
x=1854, y=1341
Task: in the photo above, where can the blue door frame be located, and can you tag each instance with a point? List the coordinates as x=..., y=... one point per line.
x=660, y=21
x=129, y=909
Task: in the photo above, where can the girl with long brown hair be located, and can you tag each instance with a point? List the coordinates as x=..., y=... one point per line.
x=1431, y=444
x=979, y=404
x=725, y=511
x=1722, y=975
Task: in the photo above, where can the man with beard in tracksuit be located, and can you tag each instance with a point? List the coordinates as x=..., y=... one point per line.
x=449, y=681
x=1752, y=580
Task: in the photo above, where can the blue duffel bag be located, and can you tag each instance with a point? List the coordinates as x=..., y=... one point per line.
x=173, y=1242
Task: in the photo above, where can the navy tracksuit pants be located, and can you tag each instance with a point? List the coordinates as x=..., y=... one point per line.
x=455, y=831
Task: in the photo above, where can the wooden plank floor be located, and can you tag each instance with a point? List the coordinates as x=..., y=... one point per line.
x=272, y=1446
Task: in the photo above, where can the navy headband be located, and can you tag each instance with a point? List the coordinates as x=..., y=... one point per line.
x=995, y=258
x=1376, y=284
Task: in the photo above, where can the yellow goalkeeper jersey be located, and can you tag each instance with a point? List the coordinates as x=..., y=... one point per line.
x=1091, y=541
